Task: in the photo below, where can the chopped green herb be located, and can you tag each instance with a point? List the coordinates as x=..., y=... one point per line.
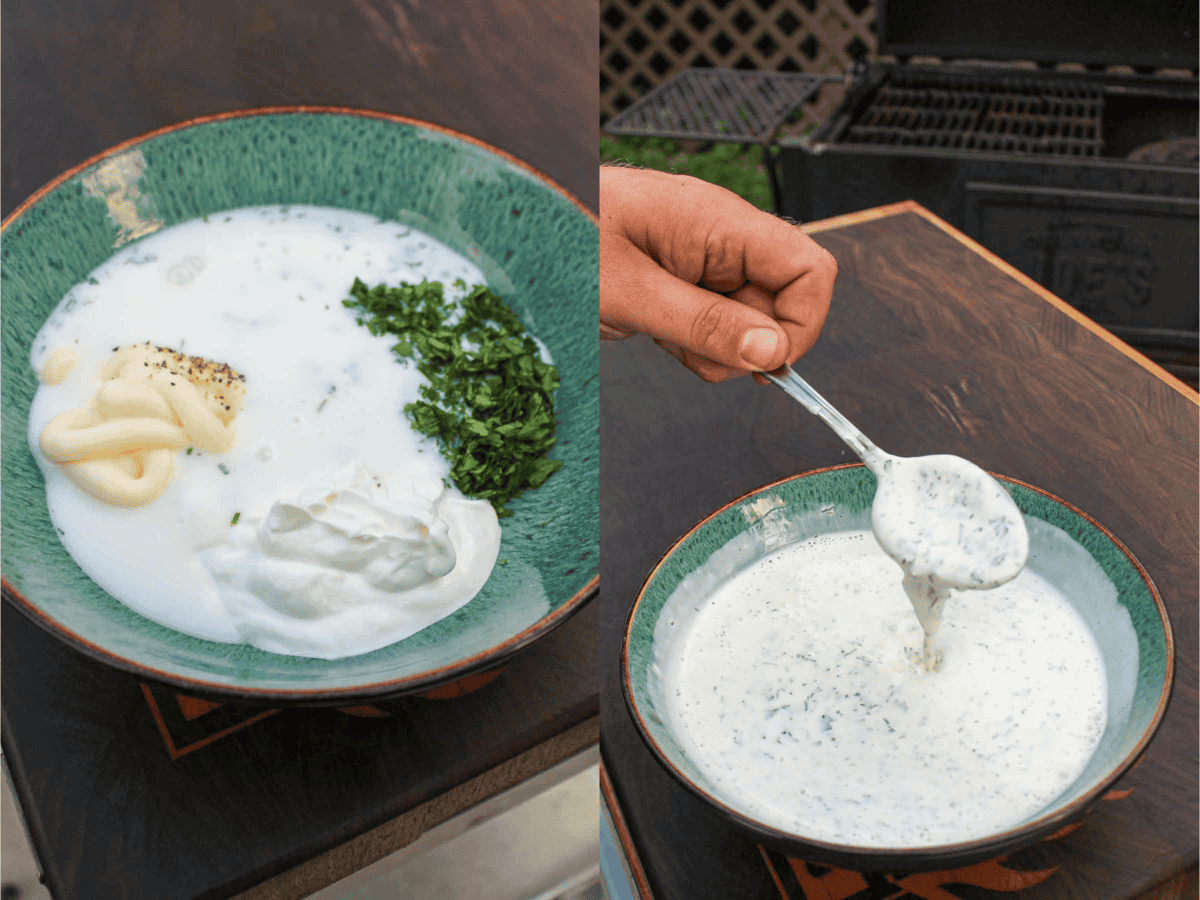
x=236, y=516
x=189, y=453
x=224, y=468
x=490, y=398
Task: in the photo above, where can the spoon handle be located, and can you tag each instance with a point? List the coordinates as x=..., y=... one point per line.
x=799, y=389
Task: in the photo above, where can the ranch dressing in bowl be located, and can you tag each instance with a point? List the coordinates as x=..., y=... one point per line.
x=794, y=691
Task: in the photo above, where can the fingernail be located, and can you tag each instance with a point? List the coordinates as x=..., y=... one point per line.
x=758, y=347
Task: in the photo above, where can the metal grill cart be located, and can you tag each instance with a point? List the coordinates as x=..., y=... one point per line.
x=735, y=105
x=1085, y=180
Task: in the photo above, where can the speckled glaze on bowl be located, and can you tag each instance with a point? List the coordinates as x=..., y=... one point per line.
x=1117, y=599
x=538, y=248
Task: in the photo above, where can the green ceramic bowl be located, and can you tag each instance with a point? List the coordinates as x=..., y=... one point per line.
x=538, y=248
x=1074, y=552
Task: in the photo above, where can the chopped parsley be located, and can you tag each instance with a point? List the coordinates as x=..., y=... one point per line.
x=490, y=398
x=236, y=516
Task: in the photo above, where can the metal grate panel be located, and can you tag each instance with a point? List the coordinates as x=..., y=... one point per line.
x=718, y=105
x=983, y=112
x=644, y=43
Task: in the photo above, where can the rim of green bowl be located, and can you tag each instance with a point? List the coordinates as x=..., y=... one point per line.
x=485, y=660
x=963, y=852
x=289, y=110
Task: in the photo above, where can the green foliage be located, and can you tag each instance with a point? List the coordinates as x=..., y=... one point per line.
x=490, y=397
x=736, y=167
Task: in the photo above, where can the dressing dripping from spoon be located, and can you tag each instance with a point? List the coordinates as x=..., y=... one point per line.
x=946, y=521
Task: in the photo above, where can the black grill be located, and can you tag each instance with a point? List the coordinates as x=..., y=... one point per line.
x=968, y=112
x=1084, y=178
x=1087, y=182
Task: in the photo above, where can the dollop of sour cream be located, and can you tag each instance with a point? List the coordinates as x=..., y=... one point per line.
x=352, y=525
x=323, y=572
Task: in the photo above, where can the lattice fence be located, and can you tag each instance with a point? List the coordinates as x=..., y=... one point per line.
x=645, y=42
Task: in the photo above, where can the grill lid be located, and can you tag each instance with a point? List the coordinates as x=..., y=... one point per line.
x=1147, y=33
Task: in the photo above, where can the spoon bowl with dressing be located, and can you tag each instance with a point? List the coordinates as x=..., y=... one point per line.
x=947, y=522
x=941, y=517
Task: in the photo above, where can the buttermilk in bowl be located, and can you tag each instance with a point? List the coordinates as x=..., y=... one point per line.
x=225, y=445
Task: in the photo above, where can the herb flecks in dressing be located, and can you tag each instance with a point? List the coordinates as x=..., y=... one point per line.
x=815, y=721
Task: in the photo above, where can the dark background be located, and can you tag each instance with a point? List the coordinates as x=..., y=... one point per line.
x=79, y=76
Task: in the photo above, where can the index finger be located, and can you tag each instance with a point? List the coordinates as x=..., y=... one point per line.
x=784, y=261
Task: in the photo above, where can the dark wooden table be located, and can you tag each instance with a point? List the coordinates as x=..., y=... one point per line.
x=932, y=345
x=301, y=798
x=80, y=77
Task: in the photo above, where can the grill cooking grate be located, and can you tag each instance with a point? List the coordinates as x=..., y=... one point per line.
x=983, y=113
x=718, y=105
x=721, y=105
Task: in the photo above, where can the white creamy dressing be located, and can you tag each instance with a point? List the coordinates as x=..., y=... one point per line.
x=943, y=516
x=347, y=538
x=948, y=524
x=796, y=690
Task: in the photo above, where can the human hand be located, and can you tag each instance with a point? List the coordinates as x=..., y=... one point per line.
x=723, y=286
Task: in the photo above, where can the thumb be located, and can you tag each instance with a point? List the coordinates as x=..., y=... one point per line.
x=720, y=337
x=734, y=335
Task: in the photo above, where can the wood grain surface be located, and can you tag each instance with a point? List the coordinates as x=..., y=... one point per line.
x=80, y=77
x=929, y=347
x=112, y=815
